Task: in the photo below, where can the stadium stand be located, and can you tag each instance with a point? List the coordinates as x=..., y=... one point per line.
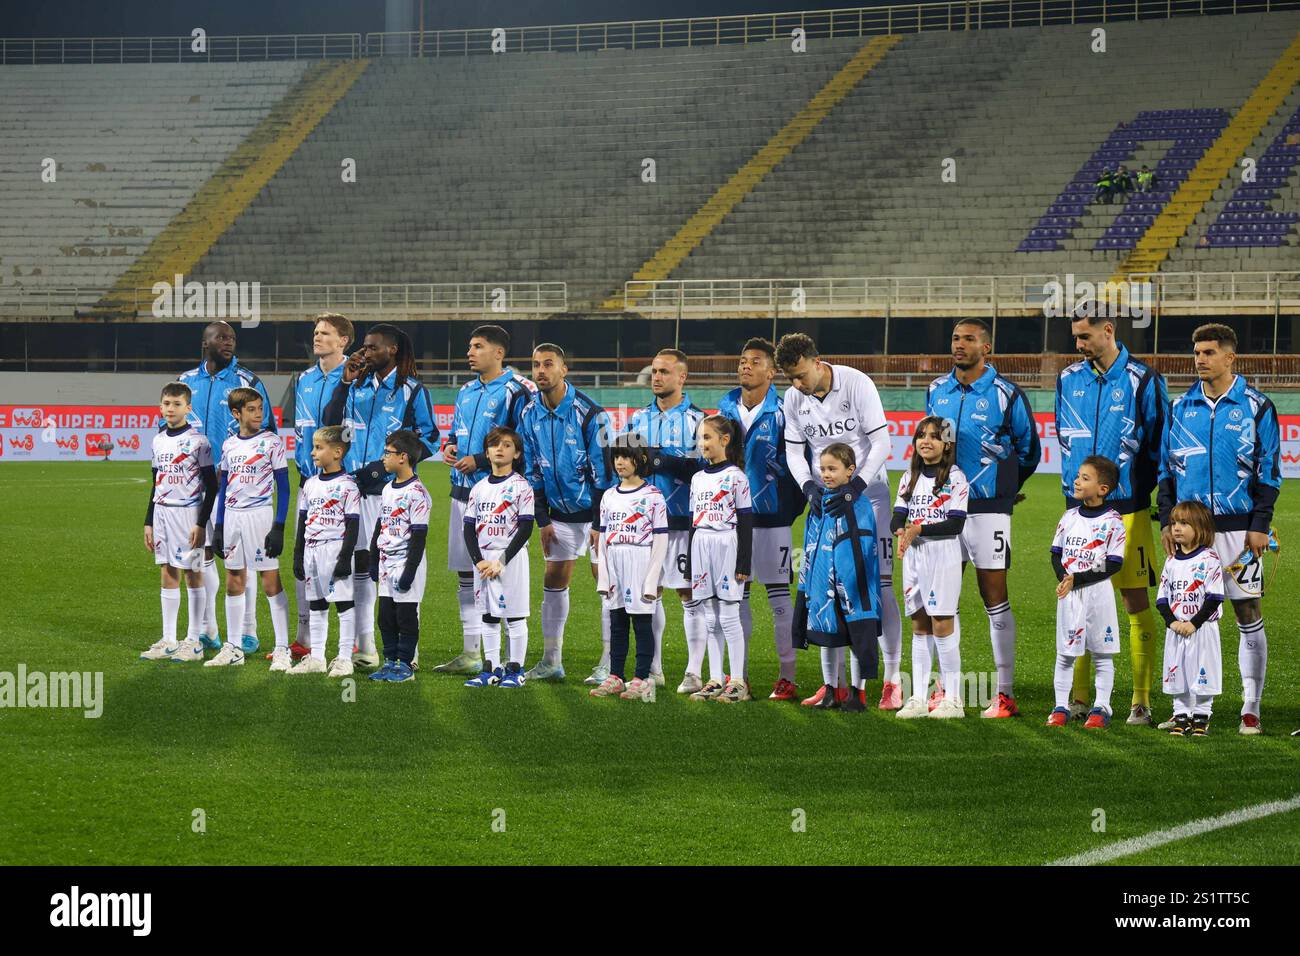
x=134, y=142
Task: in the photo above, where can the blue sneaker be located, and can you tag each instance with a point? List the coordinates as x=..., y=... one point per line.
x=401, y=673
x=514, y=676
x=249, y=644
x=488, y=678
x=212, y=641
x=384, y=672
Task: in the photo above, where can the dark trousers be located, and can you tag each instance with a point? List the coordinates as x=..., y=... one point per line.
x=399, y=626
x=619, y=622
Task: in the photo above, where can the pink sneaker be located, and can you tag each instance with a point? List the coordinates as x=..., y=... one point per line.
x=891, y=697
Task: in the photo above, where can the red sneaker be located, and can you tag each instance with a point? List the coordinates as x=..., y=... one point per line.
x=784, y=690
x=816, y=699
x=1059, y=717
x=891, y=697
x=296, y=651
x=936, y=697
x=1004, y=706
x=841, y=694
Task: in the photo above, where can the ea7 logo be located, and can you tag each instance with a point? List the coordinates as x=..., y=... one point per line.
x=28, y=417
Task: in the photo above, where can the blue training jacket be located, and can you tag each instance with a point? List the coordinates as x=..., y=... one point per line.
x=1226, y=455
x=311, y=394
x=209, y=412
x=839, y=582
x=777, y=499
x=481, y=407
x=374, y=409
x=1119, y=414
x=997, y=439
x=565, y=449
x=673, y=433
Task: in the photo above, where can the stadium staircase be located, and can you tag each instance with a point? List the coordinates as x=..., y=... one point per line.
x=1218, y=162
x=743, y=181
x=245, y=172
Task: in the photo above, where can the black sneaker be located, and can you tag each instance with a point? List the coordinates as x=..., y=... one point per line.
x=828, y=701
x=1201, y=725
x=854, y=704
x=1182, y=724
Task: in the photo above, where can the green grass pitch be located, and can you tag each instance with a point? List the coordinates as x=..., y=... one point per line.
x=285, y=771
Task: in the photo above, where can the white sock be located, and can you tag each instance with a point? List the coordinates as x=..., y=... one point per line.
x=471, y=618
x=746, y=615
x=1203, y=705
x=196, y=613
x=1183, y=704
x=1104, y=665
x=604, y=638
x=922, y=664
x=1002, y=633
x=491, y=645
x=1063, y=680
x=517, y=632
x=347, y=633
x=856, y=680
x=1252, y=659
x=320, y=632
x=171, y=610
x=555, y=612
x=303, y=636
x=832, y=661
x=280, y=618
x=891, y=633
x=211, y=584
x=249, y=624
x=778, y=598
x=715, y=638
x=363, y=596
x=950, y=665
x=658, y=622
x=729, y=629
x=234, y=616
x=695, y=624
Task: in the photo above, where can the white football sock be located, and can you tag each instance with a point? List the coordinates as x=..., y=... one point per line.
x=234, y=616
x=1252, y=659
x=471, y=618
x=1063, y=680
x=303, y=635
x=1203, y=705
x=710, y=610
x=746, y=615
x=856, y=680
x=1104, y=665
x=517, y=632
x=832, y=665
x=950, y=665
x=280, y=618
x=728, y=616
x=171, y=610
x=604, y=637
x=249, y=624
x=778, y=598
x=891, y=633
x=658, y=622
x=211, y=584
x=1002, y=633
x=196, y=613
x=1183, y=704
x=320, y=632
x=555, y=612
x=363, y=596
x=695, y=623
x=922, y=663
x=347, y=632
x=491, y=645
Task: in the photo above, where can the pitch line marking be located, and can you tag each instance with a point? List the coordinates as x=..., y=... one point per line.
x=1182, y=832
